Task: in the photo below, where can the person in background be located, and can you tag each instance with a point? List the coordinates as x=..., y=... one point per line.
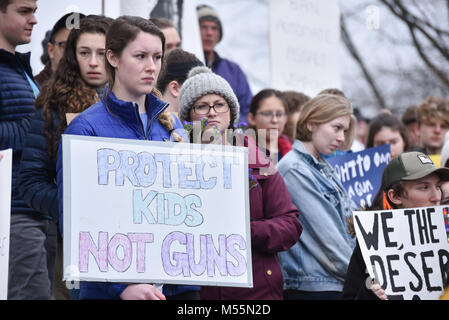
x=444, y=161
x=410, y=180
x=56, y=44
x=274, y=223
x=44, y=57
x=410, y=120
x=129, y=109
x=72, y=89
x=445, y=185
x=267, y=116
x=433, y=123
x=388, y=129
x=211, y=34
x=361, y=131
x=173, y=74
x=18, y=90
x=295, y=101
x=172, y=38
x=334, y=91
x=315, y=267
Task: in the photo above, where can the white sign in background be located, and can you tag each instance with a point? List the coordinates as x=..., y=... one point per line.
x=304, y=45
x=5, y=219
x=140, y=211
x=406, y=250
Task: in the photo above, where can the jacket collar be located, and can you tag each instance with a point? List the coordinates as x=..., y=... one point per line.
x=129, y=111
x=17, y=60
x=299, y=146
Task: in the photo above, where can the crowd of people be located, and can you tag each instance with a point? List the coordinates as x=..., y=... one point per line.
x=128, y=78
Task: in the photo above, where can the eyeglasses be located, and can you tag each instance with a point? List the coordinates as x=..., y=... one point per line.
x=219, y=107
x=60, y=44
x=268, y=115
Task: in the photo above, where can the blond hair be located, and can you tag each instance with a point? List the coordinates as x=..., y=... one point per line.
x=322, y=109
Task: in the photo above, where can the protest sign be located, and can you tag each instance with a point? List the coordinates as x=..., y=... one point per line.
x=406, y=250
x=304, y=44
x=5, y=219
x=155, y=212
x=361, y=172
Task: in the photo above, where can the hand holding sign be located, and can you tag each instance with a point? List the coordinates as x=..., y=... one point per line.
x=406, y=250
x=142, y=292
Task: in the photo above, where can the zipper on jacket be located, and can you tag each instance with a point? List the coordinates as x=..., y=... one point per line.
x=152, y=119
x=136, y=111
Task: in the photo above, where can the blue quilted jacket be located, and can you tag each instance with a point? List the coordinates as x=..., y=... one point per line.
x=120, y=119
x=16, y=109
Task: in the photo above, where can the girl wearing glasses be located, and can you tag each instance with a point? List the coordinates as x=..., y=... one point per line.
x=130, y=109
x=268, y=116
x=315, y=267
x=274, y=223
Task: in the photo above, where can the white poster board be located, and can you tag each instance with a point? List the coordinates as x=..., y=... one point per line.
x=304, y=45
x=5, y=219
x=406, y=250
x=155, y=212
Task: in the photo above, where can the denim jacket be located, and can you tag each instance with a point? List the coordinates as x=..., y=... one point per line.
x=319, y=260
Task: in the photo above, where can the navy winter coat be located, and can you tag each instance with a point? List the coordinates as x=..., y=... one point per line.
x=16, y=109
x=37, y=177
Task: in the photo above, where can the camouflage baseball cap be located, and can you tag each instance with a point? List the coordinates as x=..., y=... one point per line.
x=411, y=166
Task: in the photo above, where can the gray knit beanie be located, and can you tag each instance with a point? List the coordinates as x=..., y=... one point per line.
x=201, y=81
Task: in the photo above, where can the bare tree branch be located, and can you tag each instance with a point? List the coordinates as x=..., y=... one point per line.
x=354, y=52
x=397, y=8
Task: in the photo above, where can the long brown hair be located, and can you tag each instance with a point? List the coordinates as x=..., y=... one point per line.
x=124, y=30
x=66, y=91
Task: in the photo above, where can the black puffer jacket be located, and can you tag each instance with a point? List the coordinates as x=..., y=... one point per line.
x=37, y=177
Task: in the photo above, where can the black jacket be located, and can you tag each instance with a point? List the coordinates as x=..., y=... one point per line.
x=355, y=287
x=16, y=109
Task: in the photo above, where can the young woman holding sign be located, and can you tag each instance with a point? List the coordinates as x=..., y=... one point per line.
x=274, y=223
x=315, y=267
x=410, y=180
x=131, y=109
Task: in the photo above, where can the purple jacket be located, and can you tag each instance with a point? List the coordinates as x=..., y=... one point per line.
x=274, y=227
x=237, y=79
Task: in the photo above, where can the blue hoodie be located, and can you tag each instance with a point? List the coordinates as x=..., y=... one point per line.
x=120, y=119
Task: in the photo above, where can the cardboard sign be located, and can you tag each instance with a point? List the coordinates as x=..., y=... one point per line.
x=155, y=212
x=304, y=44
x=5, y=219
x=406, y=250
x=361, y=172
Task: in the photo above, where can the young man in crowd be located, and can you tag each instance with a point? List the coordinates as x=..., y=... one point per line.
x=172, y=38
x=433, y=122
x=29, y=277
x=410, y=180
x=211, y=34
